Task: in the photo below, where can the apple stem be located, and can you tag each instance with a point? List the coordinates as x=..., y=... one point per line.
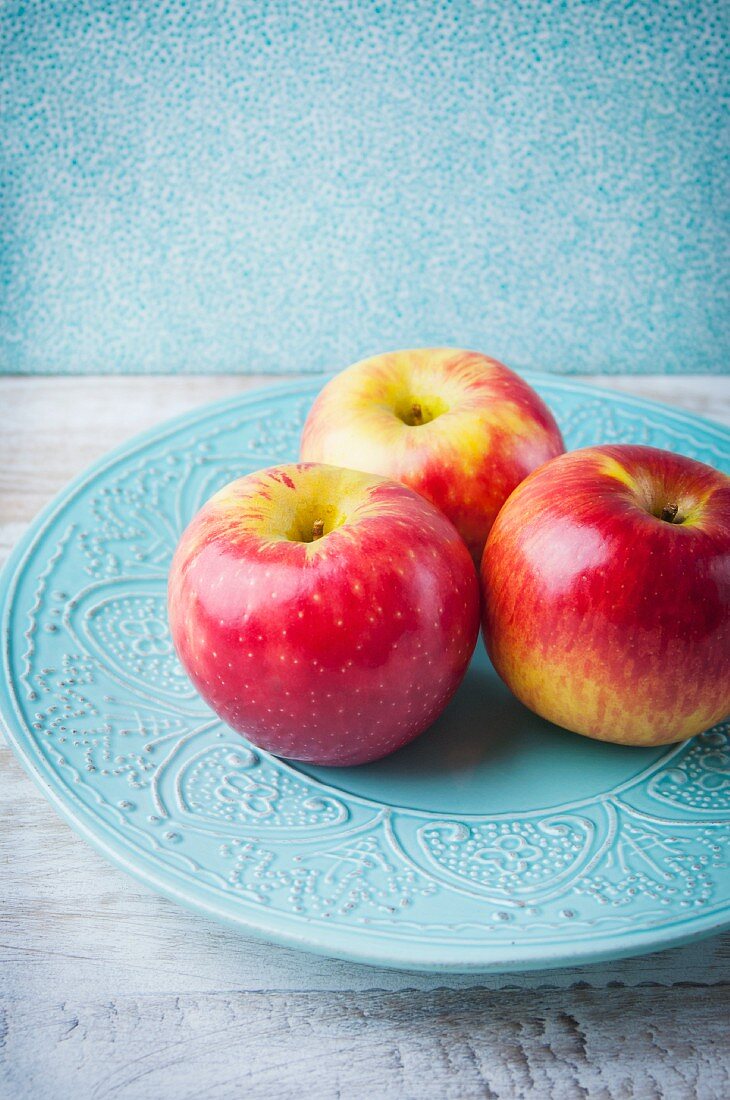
x=317, y=529
x=669, y=512
x=417, y=413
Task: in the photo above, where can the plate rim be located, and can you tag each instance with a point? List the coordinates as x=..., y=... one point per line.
x=364, y=945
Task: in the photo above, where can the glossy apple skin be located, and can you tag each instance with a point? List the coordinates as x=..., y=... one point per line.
x=489, y=430
x=336, y=651
x=602, y=617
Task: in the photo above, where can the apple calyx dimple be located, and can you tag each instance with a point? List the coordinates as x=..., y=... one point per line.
x=669, y=513
x=415, y=412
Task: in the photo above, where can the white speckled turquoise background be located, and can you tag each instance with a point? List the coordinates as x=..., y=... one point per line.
x=284, y=186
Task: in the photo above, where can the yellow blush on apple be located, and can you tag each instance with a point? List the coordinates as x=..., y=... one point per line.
x=458, y=427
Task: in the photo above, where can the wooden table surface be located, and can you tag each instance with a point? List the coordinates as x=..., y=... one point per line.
x=107, y=990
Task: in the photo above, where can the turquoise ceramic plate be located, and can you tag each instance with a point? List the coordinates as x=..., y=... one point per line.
x=495, y=842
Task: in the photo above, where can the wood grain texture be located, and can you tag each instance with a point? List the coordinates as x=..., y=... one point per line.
x=109, y=990
x=444, y=1044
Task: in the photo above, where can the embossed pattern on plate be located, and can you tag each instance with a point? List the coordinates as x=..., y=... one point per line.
x=100, y=712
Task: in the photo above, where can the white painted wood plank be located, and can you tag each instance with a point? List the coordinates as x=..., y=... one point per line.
x=446, y=1044
x=706, y=395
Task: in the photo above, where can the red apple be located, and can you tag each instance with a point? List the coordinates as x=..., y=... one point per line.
x=606, y=584
x=328, y=615
x=459, y=428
